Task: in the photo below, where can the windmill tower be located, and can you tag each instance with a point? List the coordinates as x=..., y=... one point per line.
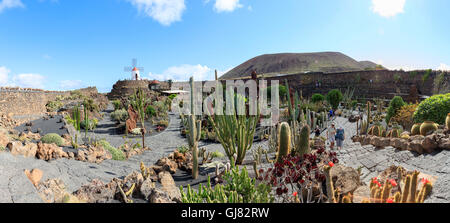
x=135, y=71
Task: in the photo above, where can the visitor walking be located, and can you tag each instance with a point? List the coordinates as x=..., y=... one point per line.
x=331, y=134
x=340, y=137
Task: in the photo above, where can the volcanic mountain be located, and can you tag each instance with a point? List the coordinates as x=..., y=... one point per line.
x=293, y=63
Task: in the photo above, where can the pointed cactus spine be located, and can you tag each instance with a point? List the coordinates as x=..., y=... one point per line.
x=284, y=141
x=304, y=147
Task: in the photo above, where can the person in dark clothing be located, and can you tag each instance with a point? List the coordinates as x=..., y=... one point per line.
x=317, y=131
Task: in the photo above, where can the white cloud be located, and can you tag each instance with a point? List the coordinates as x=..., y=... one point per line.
x=388, y=8
x=29, y=80
x=443, y=67
x=184, y=72
x=5, y=4
x=71, y=84
x=164, y=11
x=227, y=5
x=4, y=72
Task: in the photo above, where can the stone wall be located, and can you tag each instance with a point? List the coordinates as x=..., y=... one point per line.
x=16, y=102
x=368, y=84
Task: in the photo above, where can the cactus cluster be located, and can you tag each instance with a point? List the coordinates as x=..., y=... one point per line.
x=408, y=194
x=235, y=131
x=301, y=144
x=238, y=188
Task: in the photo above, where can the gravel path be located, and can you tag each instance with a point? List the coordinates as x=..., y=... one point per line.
x=15, y=186
x=373, y=161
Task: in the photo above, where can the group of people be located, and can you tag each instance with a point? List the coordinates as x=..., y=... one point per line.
x=334, y=136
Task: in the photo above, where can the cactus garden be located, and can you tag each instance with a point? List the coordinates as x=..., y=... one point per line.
x=224, y=105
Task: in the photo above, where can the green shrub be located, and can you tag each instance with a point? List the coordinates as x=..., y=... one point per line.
x=53, y=138
x=53, y=106
x=117, y=104
x=150, y=111
x=282, y=91
x=395, y=105
x=92, y=124
x=217, y=154
x=426, y=75
x=172, y=96
x=434, y=108
x=117, y=154
x=120, y=115
x=239, y=188
x=317, y=98
x=334, y=97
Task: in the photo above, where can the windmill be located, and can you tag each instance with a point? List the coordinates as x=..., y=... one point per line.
x=135, y=71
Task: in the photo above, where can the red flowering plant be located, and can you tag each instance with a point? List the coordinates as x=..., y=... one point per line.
x=303, y=175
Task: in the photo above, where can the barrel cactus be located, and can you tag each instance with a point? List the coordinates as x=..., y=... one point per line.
x=428, y=127
x=284, y=141
x=415, y=129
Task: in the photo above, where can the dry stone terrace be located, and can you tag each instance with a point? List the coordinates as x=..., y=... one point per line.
x=16, y=187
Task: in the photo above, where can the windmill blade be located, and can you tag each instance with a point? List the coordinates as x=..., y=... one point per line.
x=127, y=69
x=141, y=69
x=134, y=62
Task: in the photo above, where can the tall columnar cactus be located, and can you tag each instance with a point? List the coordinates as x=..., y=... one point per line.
x=329, y=184
x=369, y=116
x=86, y=120
x=77, y=118
x=303, y=146
x=293, y=104
x=284, y=141
x=195, y=127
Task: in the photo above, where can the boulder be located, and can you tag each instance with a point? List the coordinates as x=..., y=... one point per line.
x=30, y=136
x=97, y=191
x=168, y=165
x=147, y=188
x=4, y=138
x=34, y=175
x=52, y=191
x=429, y=144
x=132, y=120
x=416, y=146
x=346, y=179
x=444, y=143
x=160, y=196
x=168, y=185
x=49, y=151
x=27, y=150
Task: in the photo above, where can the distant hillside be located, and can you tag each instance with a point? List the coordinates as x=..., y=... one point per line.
x=291, y=63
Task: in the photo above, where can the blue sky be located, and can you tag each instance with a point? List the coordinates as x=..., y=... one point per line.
x=67, y=44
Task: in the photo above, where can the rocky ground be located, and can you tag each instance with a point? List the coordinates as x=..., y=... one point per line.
x=16, y=187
